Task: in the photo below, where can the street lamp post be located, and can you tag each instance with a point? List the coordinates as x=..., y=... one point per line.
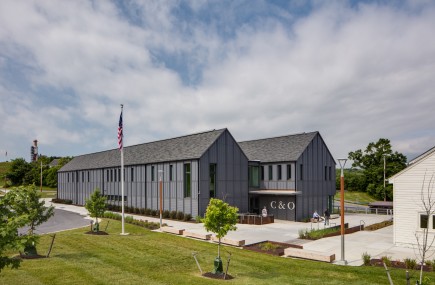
x=161, y=195
x=385, y=194
x=342, y=162
x=41, y=174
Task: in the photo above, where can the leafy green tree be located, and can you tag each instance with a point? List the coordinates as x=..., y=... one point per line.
x=18, y=170
x=10, y=222
x=371, y=161
x=25, y=202
x=220, y=218
x=355, y=180
x=96, y=206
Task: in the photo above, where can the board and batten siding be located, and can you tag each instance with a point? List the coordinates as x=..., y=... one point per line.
x=407, y=204
x=231, y=173
x=275, y=183
x=313, y=186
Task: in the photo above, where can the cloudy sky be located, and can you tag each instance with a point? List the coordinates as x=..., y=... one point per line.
x=355, y=71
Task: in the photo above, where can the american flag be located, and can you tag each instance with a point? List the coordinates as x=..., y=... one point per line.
x=120, y=135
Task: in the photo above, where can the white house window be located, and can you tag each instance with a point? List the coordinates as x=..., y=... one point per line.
x=424, y=219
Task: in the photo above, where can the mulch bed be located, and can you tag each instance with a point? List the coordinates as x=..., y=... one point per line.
x=99, y=233
x=217, y=276
x=279, y=251
x=398, y=264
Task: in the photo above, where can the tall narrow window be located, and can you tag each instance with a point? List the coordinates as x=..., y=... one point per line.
x=262, y=172
x=289, y=171
x=88, y=177
x=326, y=172
x=111, y=175
x=115, y=174
x=107, y=175
x=212, y=180
x=152, y=173
x=279, y=172
x=119, y=174
x=424, y=219
x=187, y=180
x=270, y=172
x=171, y=169
x=132, y=174
x=253, y=176
x=302, y=171
x=83, y=176
x=330, y=173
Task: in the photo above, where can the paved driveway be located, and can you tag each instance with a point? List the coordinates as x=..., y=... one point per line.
x=61, y=220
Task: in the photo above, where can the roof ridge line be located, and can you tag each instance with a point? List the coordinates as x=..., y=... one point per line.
x=282, y=136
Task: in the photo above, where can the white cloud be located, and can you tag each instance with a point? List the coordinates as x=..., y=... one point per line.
x=354, y=73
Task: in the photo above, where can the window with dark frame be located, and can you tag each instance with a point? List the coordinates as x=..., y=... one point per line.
x=289, y=171
x=132, y=174
x=301, y=172
x=187, y=180
x=326, y=173
x=115, y=175
x=330, y=173
x=279, y=167
x=119, y=174
x=212, y=174
x=88, y=177
x=171, y=169
x=107, y=176
x=253, y=176
x=152, y=173
x=111, y=175
x=270, y=172
x=424, y=220
x=83, y=176
x=262, y=172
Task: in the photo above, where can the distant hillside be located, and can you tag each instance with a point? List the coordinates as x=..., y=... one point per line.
x=4, y=166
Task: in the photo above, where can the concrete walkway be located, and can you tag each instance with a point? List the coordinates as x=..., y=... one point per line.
x=376, y=243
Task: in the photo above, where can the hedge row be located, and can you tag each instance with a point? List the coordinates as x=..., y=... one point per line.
x=130, y=220
x=174, y=215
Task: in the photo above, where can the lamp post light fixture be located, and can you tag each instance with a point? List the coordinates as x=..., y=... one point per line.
x=342, y=162
x=41, y=174
x=385, y=192
x=161, y=195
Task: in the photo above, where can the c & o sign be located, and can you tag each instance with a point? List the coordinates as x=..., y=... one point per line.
x=282, y=205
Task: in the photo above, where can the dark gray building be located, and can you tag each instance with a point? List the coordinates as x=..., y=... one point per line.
x=291, y=175
x=195, y=168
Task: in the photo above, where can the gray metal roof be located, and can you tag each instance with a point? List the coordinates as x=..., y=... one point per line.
x=175, y=149
x=285, y=148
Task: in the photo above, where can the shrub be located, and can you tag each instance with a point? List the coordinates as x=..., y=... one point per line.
x=173, y=215
x=268, y=246
x=147, y=212
x=410, y=263
x=198, y=219
x=165, y=214
x=366, y=258
x=129, y=219
x=61, y=201
x=187, y=217
x=387, y=260
x=378, y=226
x=180, y=215
x=154, y=213
x=429, y=263
x=303, y=233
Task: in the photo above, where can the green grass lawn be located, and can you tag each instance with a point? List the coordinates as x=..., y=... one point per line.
x=355, y=197
x=146, y=257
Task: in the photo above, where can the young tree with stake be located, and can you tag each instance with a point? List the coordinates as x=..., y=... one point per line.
x=96, y=206
x=220, y=218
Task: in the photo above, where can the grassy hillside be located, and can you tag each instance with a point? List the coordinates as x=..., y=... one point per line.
x=361, y=198
x=146, y=257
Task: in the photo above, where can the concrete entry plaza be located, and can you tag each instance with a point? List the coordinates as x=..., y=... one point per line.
x=376, y=243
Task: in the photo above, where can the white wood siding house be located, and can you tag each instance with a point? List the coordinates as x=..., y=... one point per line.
x=409, y=217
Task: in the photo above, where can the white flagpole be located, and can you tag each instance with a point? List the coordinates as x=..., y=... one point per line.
x=122, y=173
